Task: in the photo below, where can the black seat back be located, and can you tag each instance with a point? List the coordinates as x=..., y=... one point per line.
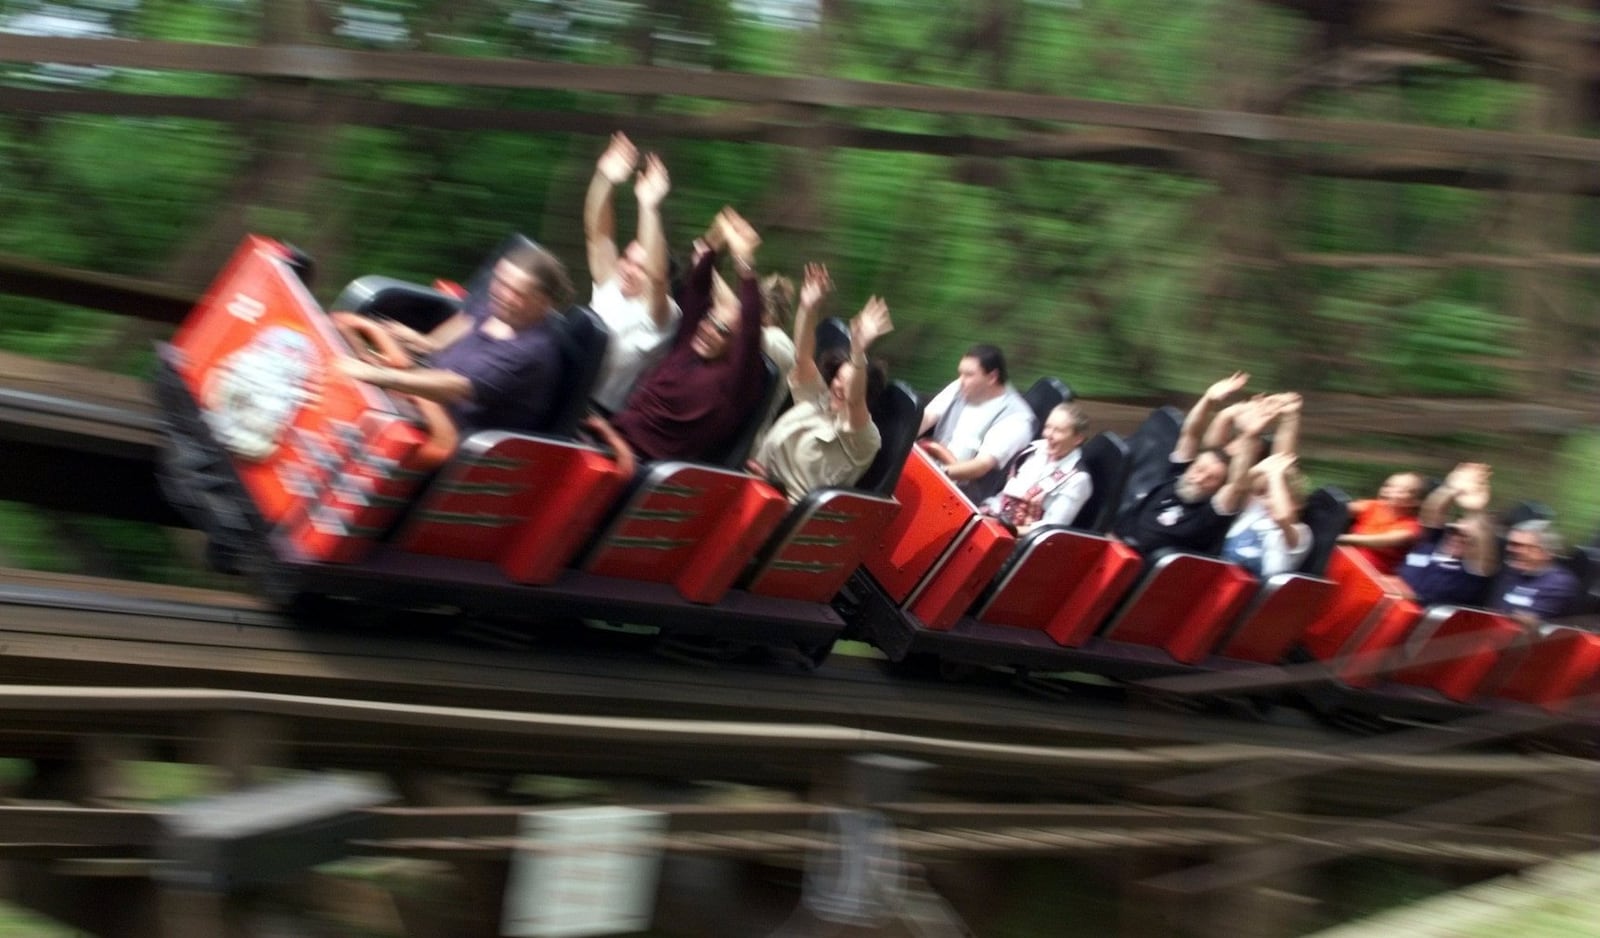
x=1584, y=562
x=1525, y=511
x=583, y=338
x=733, y=453
x=1149, y=455
x=832, y=333
x=898, y=415
x=411, y=304
x=1043, y=397
x=1327, y=514
x=1105, y=459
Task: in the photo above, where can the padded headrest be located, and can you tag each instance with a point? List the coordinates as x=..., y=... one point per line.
x=1327, y=514
x=583, y=339
x=898, y=415
x=1149, y=455
x=1044, y=395
x=1105, y=458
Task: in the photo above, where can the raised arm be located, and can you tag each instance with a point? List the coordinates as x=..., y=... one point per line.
x=1194, y=425
x=1435, y=509
x=1473, y=499
x=742, y=244
x=651, y=188
x=866, y=328
x=1220, y=429
x=813, y=290
x=599, y=218
x=1280, y=500
x=1286, y=440
x=1251, y=421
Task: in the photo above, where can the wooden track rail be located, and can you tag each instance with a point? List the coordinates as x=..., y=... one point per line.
x=927, y=831
x=325, y=64
x=82, y=657
x=392, y=733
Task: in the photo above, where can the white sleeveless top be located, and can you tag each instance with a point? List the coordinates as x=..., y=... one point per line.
x=635, y=344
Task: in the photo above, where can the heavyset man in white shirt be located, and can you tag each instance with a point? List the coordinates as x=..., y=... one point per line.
x=979, y=423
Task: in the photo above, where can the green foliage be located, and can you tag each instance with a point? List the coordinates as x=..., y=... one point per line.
x=24, y=542
x=1435, y=339
x=1573, y=486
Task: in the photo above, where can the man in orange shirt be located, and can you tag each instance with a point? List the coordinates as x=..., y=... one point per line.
x=1385, y=527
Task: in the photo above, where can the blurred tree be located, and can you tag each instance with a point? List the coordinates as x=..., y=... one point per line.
x=1123, y=280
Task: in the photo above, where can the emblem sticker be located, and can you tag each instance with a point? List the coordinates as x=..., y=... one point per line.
x=254, y=394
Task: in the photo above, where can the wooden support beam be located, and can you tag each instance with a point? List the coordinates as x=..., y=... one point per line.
x=781, y=125
x=22, y=276
x=1545, y=260
x=318, y=63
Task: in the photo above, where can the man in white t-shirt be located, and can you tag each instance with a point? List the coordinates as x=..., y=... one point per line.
x=979, y=423
x=630, y=287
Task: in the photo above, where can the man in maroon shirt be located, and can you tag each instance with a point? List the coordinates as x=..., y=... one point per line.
x=696, y=400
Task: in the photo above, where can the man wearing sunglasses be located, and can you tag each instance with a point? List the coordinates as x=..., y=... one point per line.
x=694, y=402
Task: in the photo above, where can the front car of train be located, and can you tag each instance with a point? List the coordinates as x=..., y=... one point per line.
x=321, y=485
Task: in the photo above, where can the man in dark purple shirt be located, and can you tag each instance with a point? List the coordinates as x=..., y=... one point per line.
x=493, y=365
x=694, y=402
x=1534, y=587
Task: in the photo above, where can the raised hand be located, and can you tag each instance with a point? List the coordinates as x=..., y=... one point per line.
x=871, y=324
x=740, y=235
x=816, y=286
x=653, y=183
x=1289, y=402
x=1277, y=464
x=1466, y=475
x=1254, y=416
x=617, y=162
x=1471, y=482
x=1227, y=387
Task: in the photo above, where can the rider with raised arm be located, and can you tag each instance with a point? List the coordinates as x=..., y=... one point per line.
x=1193, y=509
x=827, y=438
x=1453, y=562
x=1267, y=537
x=630, y=286
x=696, y=400
x=495, y=365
